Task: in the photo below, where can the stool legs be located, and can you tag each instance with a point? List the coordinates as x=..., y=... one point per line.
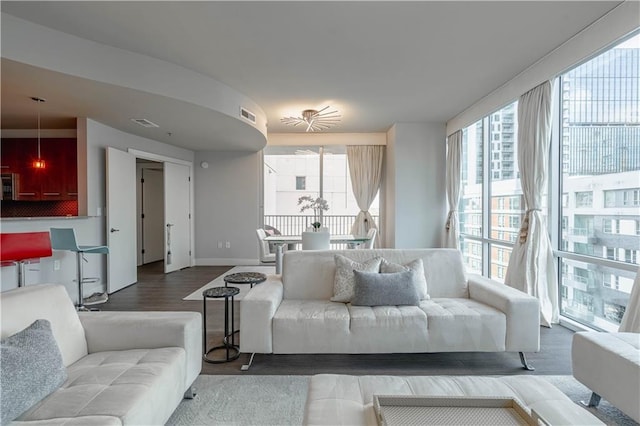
x=80, y=306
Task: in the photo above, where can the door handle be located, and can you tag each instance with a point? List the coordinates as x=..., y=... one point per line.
x=169, y=225
x=115, y=230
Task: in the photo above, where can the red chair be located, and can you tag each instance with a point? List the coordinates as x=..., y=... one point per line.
x=24, y=247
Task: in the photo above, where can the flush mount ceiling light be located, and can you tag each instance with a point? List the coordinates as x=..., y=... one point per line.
x=314, y=120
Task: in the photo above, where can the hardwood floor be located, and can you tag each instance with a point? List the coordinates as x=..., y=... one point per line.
x=156, y=291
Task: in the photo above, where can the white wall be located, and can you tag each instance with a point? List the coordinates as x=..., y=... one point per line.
x=618, y=23
x=226, y=207
x=415, y=202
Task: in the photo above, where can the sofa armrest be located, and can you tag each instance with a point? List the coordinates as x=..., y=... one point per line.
x=522, y=312
x=117, y=331
x=257, y=309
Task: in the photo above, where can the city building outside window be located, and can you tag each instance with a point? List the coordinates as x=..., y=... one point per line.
x=600, y=141
x=584, y=199
x=597, y=143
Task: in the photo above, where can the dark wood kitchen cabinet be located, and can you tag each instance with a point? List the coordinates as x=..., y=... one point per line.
x=57, y=181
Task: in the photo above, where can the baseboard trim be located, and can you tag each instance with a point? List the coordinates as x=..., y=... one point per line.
x=220, y=261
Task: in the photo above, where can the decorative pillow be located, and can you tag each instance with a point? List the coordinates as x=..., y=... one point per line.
x=393, y=289
x=344, y=282
x=415, y=265
x=31, y=368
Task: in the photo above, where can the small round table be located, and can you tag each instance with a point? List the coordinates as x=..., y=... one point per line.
x=229, y=345
x=251, y=278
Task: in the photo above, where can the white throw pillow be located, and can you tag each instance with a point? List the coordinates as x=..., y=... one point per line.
x=415, y=265
x=344, y=282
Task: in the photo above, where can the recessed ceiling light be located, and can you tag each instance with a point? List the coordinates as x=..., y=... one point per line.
x=144, y=122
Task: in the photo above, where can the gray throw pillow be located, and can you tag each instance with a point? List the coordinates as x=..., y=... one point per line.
x=344, y=282
x=31, y=368
x=387, y=267
x=393, y=289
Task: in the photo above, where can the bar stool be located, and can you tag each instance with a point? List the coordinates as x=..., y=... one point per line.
x=65, y=239
x=23, y=247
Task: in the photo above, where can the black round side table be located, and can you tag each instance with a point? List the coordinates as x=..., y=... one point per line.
x=229, y=341
x=251, y=278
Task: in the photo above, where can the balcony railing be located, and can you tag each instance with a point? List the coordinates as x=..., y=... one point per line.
x=295, y=224
x=582, y=232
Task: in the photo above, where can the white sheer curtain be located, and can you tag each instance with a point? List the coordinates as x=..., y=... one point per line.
x=531, y=265
x=631, y=318
x=452, y=226
x=365, y=169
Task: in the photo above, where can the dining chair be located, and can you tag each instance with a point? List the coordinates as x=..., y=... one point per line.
x=265, y=254
x=371, y=234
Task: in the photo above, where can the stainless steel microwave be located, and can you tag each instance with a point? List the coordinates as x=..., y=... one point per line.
x=9, y=186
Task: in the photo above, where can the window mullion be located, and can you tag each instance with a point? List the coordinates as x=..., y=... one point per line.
x=486, y=196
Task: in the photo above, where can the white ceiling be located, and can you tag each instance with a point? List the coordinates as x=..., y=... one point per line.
x=377, y=62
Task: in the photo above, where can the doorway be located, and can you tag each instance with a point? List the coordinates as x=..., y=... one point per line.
x=123, y=218
x=149, y=211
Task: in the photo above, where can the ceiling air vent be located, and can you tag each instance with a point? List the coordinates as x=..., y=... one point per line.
x=144, y=122
x=248, y=115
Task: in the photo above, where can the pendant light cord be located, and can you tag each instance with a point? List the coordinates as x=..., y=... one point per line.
x=39, y=128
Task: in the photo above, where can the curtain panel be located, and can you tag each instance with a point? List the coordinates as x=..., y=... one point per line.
x=451, y=236
x=365, y=169
x=531, y=265
x=631, y=318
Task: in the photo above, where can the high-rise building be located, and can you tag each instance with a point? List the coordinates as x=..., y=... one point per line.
x=599, y=130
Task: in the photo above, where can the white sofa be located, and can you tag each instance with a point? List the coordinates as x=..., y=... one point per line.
x=122, y=367
x=292, y=313
x=335, y=399
x=609, y=365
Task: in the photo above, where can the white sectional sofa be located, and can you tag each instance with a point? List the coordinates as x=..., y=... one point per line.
x=609, y=365
x=292, y=313
x=121, y=367
x=335, y=399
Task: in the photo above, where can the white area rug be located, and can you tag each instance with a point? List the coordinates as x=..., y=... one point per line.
x=219, y=282
x=280, y=400
x=244, y=400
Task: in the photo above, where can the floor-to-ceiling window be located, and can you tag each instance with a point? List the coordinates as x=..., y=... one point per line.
x=294, y=171
x=490, y=214
x=600, y=181
x=594, y=182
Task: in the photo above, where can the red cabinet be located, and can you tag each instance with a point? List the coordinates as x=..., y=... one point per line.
x=57, y=181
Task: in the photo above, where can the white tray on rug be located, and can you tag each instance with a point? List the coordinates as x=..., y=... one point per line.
x=394, y=410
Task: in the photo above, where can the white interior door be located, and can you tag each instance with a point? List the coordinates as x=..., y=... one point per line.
x=121, y=219
x=177, y=211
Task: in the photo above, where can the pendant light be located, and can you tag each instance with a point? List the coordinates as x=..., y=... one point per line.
x=39, y=163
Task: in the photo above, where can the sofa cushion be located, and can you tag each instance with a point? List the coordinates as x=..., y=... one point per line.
x=311, y=274
x=459, y=324
x=31, y=368
x=387, y=267
x=22, y=306
x=140, y=386
x=344, y=281
x=311, y=326
x=392, y=289
x=388, y=329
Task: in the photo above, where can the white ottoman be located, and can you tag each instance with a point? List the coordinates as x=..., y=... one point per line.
x=348, y=400
x=609, y=365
